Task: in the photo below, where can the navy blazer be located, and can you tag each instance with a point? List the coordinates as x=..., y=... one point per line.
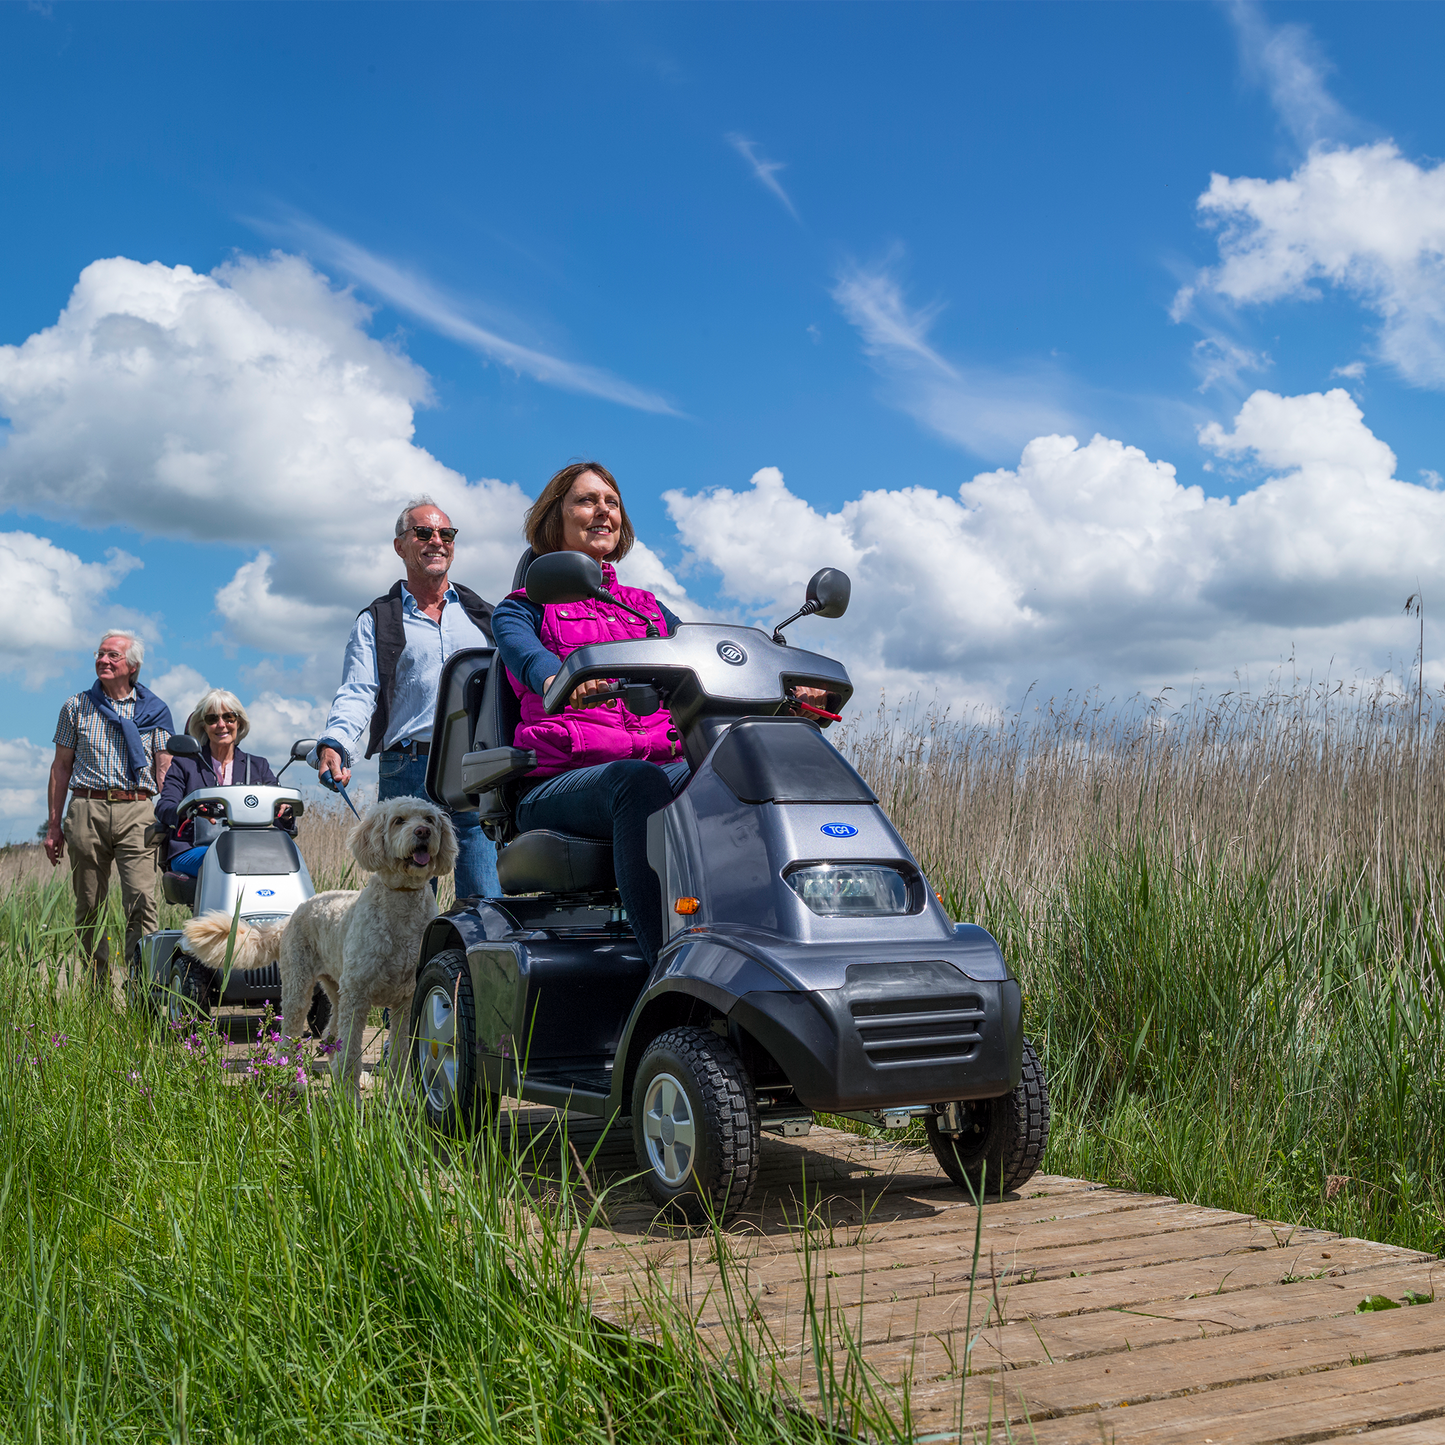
x=186, y=775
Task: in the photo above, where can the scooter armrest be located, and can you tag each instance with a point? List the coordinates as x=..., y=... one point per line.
x=483, y=771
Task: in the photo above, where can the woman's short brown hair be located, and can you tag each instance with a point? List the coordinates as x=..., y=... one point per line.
x=543, y=523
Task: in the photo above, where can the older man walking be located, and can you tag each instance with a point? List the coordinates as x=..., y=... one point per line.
x=393, y=667
x=108, y=756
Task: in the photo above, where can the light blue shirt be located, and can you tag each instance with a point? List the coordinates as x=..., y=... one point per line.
x=418, y=672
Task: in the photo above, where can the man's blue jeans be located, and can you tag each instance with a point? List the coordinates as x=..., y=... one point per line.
x=401, y=775
x=613, y=801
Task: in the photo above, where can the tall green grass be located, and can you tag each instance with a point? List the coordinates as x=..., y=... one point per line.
x=1229, y=920
x=193, y=1255
x=1205, y=1042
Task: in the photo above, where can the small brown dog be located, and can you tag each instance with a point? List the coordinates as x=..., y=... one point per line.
x=361, y=946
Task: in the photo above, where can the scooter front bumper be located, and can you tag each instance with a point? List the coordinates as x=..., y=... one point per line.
x=894, y=1035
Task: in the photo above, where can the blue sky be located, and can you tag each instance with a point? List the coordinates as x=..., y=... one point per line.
x=889, y=251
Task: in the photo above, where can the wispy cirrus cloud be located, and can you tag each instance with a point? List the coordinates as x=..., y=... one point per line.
x=1288, y=62
x=984, y=410
x=765, y=170
x=419, y=297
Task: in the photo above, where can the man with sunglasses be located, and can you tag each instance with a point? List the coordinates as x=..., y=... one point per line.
x=391, y=673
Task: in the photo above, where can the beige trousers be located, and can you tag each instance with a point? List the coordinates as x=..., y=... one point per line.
x=98, y=834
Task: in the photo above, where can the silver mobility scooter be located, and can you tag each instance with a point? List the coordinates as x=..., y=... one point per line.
x=251, y=862
x=808, y=967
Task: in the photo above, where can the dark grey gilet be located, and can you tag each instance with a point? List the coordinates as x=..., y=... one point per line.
x=386, y=616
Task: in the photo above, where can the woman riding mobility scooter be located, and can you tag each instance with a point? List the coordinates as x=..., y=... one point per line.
x=808, y=967
x=250, y=861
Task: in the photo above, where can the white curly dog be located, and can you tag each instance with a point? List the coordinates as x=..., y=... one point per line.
x=361, y=947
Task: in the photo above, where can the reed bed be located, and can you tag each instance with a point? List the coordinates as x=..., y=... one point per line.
x=1226, y=914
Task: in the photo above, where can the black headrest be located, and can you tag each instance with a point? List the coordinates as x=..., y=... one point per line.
x=519, y=577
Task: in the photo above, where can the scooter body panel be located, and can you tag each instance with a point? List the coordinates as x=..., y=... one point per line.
x=248, y=862
x=858, y=1013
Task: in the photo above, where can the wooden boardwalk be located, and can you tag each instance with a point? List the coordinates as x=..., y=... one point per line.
x=1094, y=1314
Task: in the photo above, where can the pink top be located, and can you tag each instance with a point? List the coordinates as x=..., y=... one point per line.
x=223, y=772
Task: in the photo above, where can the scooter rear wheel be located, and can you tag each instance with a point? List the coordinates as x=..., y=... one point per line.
x=443, y=1045
x=695, y=1125
x=1002, y=1141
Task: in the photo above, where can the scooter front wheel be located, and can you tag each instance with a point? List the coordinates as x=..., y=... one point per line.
x=1002, y=1141
x=443, y=1062
x=188, y=996
x=695, y=1125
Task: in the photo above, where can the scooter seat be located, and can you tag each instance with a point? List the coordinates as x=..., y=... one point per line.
x=546, y=862
x=179, y=888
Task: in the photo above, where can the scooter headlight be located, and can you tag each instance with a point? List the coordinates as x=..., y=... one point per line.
x=852, y=890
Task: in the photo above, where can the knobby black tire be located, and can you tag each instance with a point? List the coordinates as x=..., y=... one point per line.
x=191, y=981
x=471, y=1102
x=1004, y=1143
x=720, y=1094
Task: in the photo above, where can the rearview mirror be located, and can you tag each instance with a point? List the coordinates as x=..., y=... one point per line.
x=563, y=577
x=829, y=589
x=301, y=748
x=182, y=745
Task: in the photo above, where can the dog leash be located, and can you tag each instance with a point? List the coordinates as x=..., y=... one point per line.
x=337, y=786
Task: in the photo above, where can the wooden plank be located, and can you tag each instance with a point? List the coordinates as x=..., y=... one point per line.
x=1090, y=1336
x=1356, y=1398
x=1424, y=1432
x=879, y=1322
x=1095, y=1217
x=872, y=1244
x=1170, y=1371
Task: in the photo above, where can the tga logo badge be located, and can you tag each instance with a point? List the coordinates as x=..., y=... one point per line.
x=264, y=892
x=251, y=800
x=839, y=830
x=731, y=653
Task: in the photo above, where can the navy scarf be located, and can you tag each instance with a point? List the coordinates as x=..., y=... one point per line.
x=150, y=713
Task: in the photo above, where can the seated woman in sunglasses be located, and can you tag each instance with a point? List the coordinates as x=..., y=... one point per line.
x=218, y=723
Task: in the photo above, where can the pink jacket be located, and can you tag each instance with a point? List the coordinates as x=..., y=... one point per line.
x=581, y=737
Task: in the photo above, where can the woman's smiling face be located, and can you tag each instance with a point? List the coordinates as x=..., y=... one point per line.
x=220, y=728
x=591, y=517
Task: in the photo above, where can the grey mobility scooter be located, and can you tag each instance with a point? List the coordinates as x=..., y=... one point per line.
x=250, y=862
x=808, y=967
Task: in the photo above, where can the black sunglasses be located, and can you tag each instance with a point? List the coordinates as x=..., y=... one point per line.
x=212, y=718
x=423, y=534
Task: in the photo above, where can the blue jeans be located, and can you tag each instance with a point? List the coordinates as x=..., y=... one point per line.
x=189, y=862
x=400, y=775
x=614, y=801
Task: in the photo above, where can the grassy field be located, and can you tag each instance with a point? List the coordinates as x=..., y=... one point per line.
x=1227, y=919
x=194, y=1255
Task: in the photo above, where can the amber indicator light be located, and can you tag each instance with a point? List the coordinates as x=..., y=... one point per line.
x=686, y=905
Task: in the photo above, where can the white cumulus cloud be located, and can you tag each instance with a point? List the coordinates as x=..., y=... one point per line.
x=249, y=407
x=1092, y=564
x=51, y=602
x=24, y=774
x=1365, y=219
x=180, y=688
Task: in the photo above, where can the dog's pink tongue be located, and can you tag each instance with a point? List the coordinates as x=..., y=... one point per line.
x=421, y=857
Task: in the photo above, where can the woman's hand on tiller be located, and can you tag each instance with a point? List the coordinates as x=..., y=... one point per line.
x=582, y=693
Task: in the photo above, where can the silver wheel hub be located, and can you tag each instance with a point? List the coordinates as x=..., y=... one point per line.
x=669, y=1130
x=436, y=1049
x=175, y=1000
